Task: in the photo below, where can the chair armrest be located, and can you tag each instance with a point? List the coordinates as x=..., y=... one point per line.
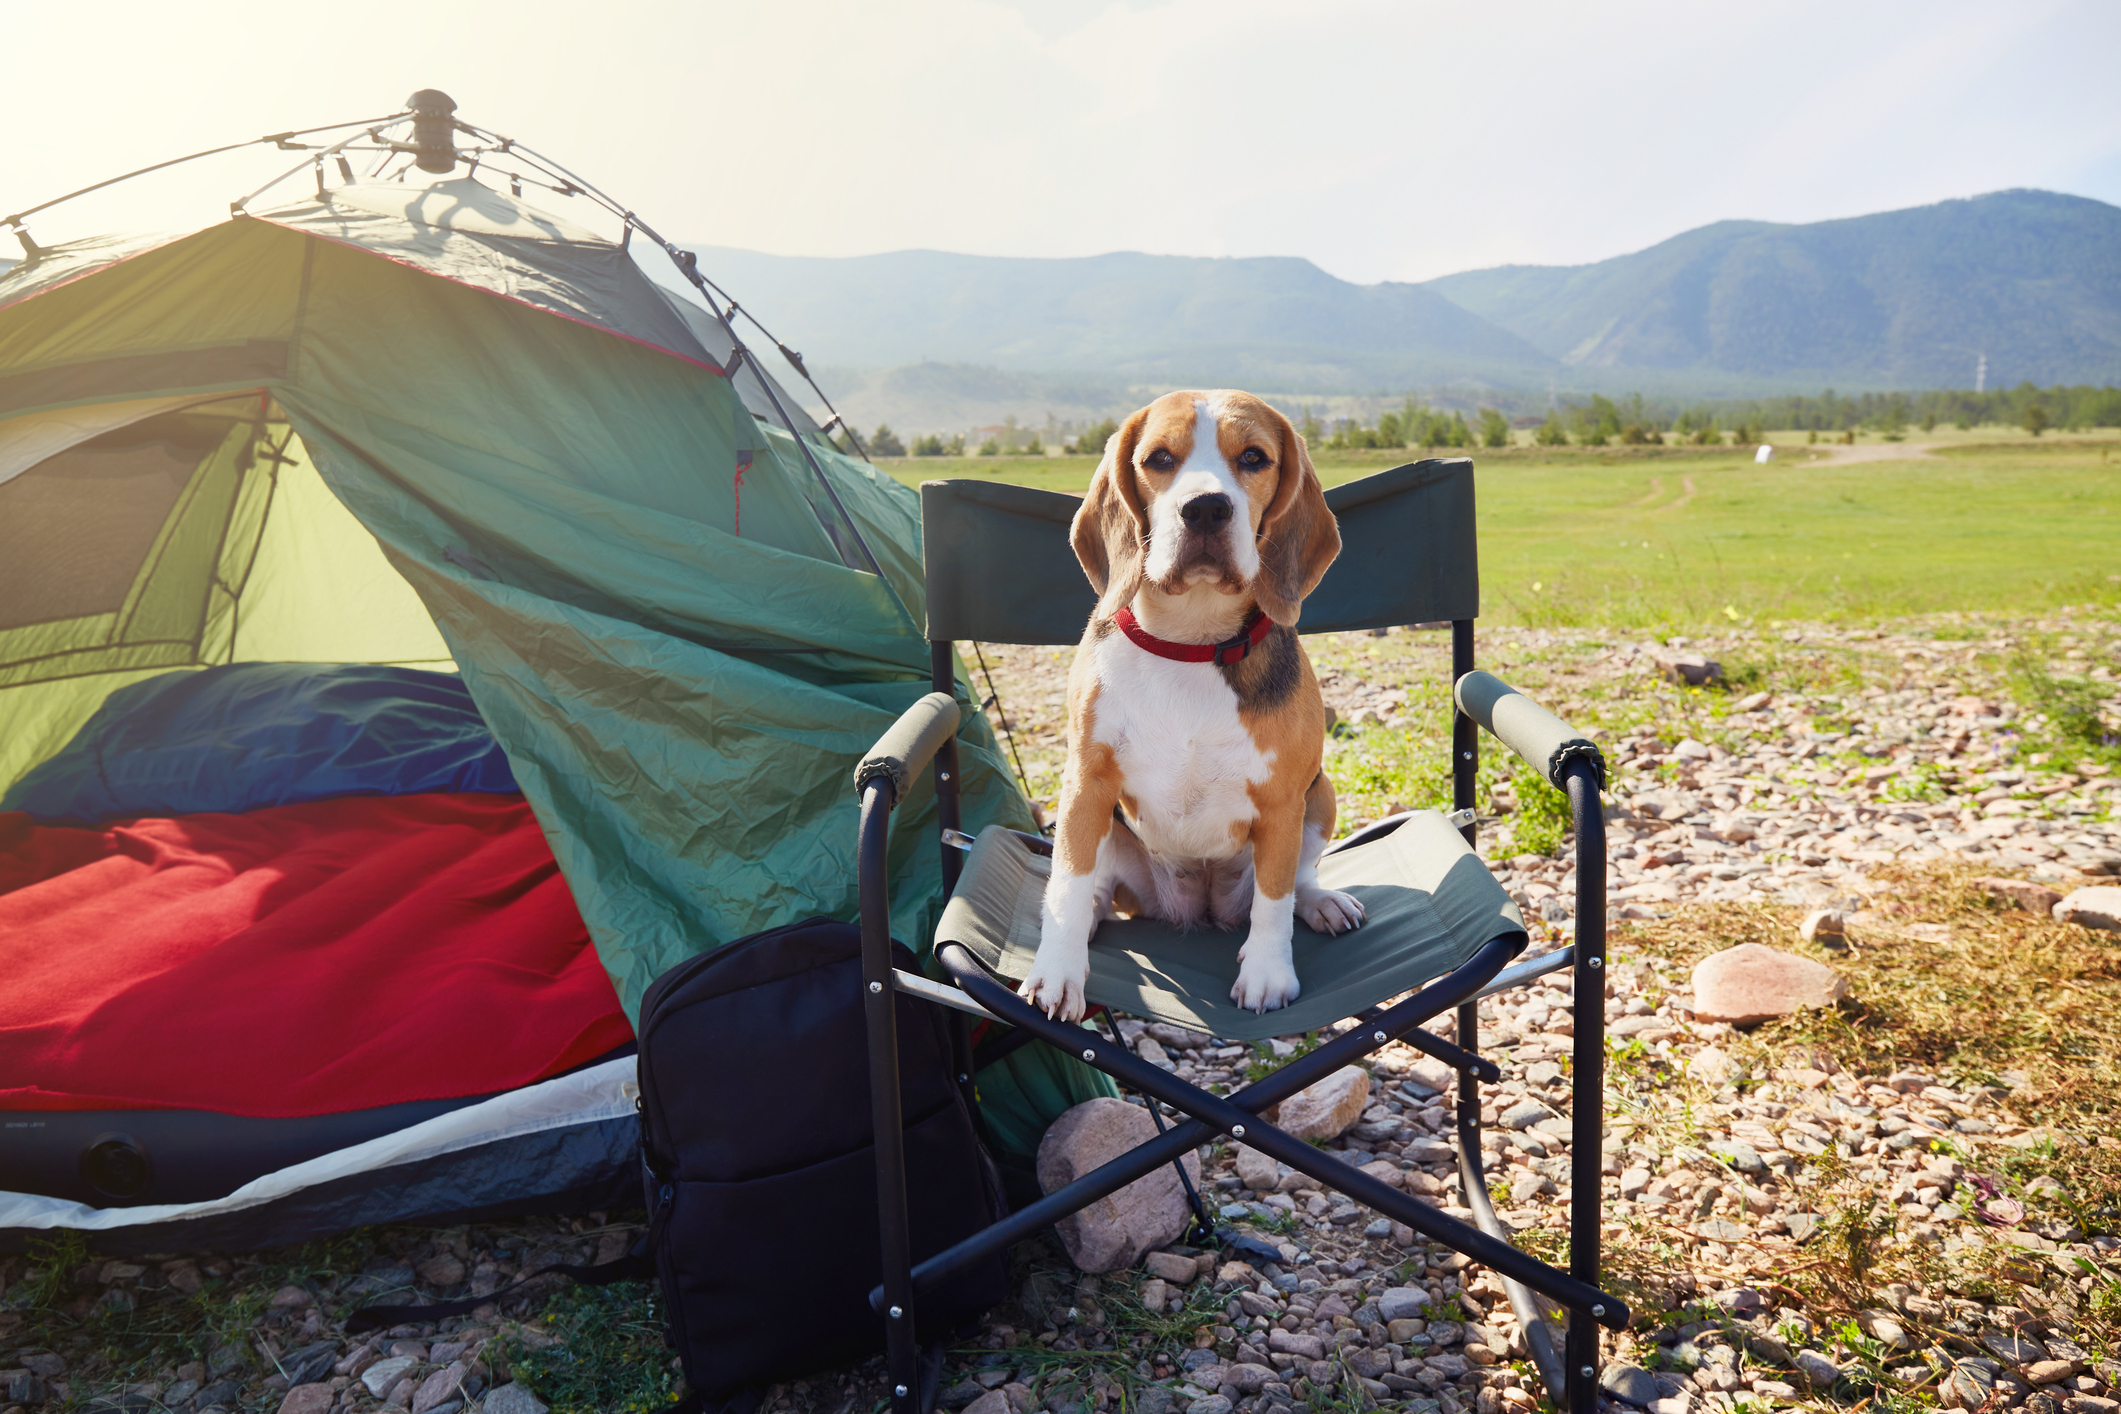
x=910, y=743
x=1546, y=742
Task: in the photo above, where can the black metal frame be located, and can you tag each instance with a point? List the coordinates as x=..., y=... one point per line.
x=1571, y=1374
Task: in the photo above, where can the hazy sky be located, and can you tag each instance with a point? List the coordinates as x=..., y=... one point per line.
x=1381, y=140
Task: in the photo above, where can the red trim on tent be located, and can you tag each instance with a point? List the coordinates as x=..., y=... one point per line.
x=299, y=960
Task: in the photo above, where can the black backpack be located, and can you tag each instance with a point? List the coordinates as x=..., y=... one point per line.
x=758, y=1157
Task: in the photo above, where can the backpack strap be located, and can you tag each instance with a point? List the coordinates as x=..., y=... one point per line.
x=636, y=1265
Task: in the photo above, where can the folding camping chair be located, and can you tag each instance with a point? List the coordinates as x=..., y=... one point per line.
x=999, y=569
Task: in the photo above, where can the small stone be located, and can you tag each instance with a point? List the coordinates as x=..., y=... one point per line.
x=1401, y=1303
x=1116, y=1230
x=1629, y=1382
x=1256, y=1171
x=2023, y=893
x=2091, y=1404
x=1171, y=1267
x=185, y=1280
x=2047, y=1372
x=1633, y=1181
x=1818, y=1371
x=52, y=1365
x=1246, y=1378
x=1885, y=1328
x=1753, y=982
x=1739, y=1155
x=439, y=1386
x=1154, y=1293
x=1211, y=1404
x=290, y=1298
x=1378, y=1229
x=1825, y=923
x=1711, y=1066
x=1527, y=1186
x=1691, y=670
x=307, y=1399
x=2014, y=1350
x=443, y=1269
x=517, y=1399
x=1966, y=1387
x=1309, y=1347
x=1522, y=1115
x=2098, y=906
x=379, y=1377
x=1406, y=1328
x=1743, y=1302
x=1327, y=1109
x=994, y=1401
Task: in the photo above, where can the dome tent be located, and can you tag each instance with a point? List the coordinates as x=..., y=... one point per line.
x=431, y=425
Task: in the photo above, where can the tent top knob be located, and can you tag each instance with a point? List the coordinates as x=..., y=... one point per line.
x=433, y=129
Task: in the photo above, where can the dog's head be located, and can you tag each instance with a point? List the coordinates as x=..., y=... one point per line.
x=1206, y=488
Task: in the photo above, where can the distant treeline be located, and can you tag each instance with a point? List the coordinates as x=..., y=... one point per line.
x=2071, y=409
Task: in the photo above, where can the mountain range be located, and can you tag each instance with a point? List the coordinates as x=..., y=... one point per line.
x=1901, y=299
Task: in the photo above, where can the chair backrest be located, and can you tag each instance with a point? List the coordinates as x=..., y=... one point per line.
x=1000, y=569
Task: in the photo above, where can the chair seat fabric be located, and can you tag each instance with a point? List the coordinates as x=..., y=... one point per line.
x=1430, y=900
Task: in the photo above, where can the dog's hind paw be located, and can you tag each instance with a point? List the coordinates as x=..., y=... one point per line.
x=1329, y=910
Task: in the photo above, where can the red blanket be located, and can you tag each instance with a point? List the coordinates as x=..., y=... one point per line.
x=300, y=960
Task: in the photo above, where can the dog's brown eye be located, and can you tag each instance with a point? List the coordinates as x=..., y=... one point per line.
x=1160, y=459
x=1251, y=459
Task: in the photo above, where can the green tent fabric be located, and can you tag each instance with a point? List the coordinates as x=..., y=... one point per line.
x=422, y=424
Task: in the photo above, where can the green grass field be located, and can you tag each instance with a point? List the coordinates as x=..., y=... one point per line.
x=1670, y=536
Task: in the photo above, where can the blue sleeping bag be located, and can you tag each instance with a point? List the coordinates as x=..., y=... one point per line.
x=249, y=735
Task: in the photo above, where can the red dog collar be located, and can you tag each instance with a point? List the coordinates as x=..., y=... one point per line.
x=1224, y=654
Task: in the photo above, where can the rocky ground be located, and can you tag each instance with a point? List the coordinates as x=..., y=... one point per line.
x=1864, y=1158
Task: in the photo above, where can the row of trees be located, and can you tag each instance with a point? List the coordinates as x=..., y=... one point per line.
x=1600, y=421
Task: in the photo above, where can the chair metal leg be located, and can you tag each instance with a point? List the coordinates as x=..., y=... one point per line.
x=1587, y=1121
x=1465, y=735
x=1473, y=1183
x=1178, y=1166
x=1238, y=1117
x=880, y=1010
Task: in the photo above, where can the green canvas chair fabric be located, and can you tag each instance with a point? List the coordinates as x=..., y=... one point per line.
x=1431, y=904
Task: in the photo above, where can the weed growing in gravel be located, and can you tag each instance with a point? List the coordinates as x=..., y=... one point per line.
x=613, y=1357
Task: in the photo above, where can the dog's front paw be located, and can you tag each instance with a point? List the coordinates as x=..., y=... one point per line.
x=1264, y=983
x=1056, y=987
x=1329, y=910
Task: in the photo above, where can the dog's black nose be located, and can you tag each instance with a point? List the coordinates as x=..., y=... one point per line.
x=1206, y=512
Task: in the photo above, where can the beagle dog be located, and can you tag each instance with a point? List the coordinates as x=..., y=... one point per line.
x=1192, y=790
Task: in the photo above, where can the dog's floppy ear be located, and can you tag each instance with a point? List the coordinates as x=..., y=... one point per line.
x=1298, y=538
x=1109, y=529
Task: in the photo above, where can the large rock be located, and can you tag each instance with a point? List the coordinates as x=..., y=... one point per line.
x=2096, y=907
x=1753, y=982
x=1114, y=1231
x=1327, y=1109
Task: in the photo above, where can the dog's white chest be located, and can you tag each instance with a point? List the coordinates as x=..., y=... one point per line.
x=1185, y=758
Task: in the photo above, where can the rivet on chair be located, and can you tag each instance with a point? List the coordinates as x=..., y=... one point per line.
x=898, y=1311
x=1237, y=1131
x=1378, y=1036
x=1597, y=962
x=1598, y=1310
x=1088, y=1054
x=1586, y=1372
x=876, y=986
x=899, y=1390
